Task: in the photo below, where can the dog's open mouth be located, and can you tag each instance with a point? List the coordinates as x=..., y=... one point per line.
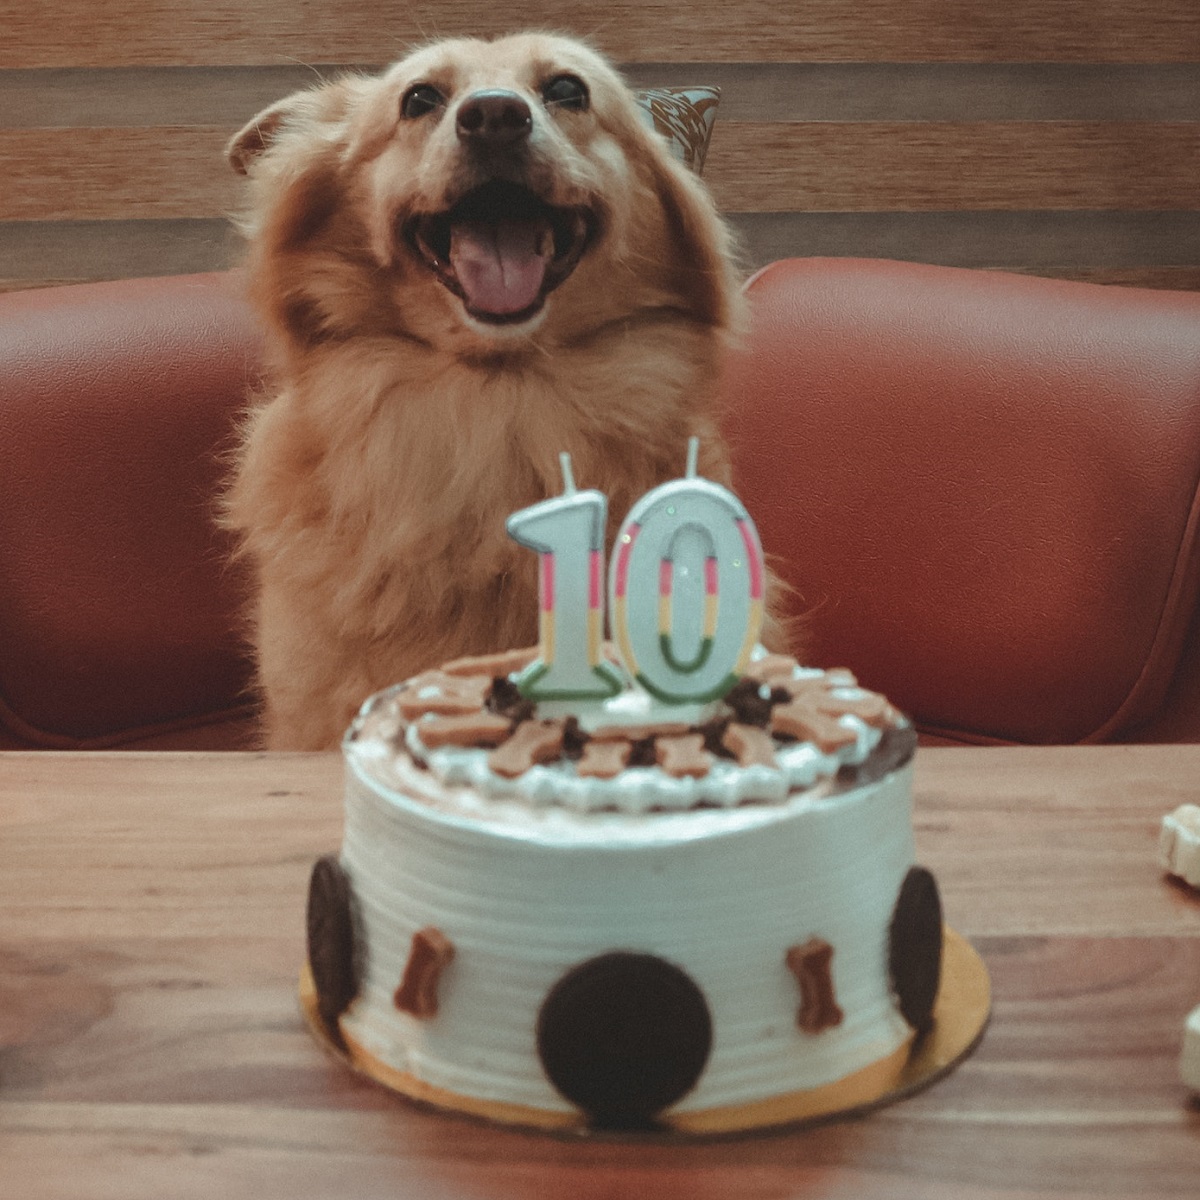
x=502, y=249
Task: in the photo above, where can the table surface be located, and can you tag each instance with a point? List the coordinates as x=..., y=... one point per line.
x=151, y=933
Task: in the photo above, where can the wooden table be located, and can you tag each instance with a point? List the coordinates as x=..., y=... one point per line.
x=151, y=932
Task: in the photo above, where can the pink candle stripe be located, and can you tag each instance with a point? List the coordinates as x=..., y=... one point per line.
x=594, y=573
x=623, y=560
x=756, y=567
x=710, y=576
x=547, y=582
x=664, y=577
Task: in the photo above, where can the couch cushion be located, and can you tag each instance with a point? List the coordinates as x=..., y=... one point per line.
x=117, y=611
x=982, y=486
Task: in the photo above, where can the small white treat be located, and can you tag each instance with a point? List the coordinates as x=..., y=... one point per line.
x=1189, y=1060
x=1179, y=844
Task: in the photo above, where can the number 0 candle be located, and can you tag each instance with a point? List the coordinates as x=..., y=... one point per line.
x=567, y=532
x=686, y=589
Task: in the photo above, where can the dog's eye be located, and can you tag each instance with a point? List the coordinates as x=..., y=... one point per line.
x=566, y=91
x=420, y=99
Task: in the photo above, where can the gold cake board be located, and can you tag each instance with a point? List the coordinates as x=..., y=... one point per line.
x=960, y=1016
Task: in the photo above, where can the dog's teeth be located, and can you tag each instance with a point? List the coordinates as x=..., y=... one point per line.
x=545, y=244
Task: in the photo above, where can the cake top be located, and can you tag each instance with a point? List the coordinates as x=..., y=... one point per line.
x=682, y=709
x=781, y=729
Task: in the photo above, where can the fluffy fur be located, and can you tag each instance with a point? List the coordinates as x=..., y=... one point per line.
x=401, y=427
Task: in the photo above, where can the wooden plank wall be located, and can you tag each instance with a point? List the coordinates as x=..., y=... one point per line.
x=1058, y=137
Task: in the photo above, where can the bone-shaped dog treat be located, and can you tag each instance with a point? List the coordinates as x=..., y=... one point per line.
x=751, y=745
x=770, y=669
x=683, y=755
x=446, y=695
x=532, y=742
x=805, y=721
x=465, y=729
x=430, y=953
x=639, y=733
x=810, y=964
x=817, y=703
x=870, y=707
x=840, y=677
x=604, y=760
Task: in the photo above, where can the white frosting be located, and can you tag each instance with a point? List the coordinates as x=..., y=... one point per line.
x=526, y=890
x=634, y=706
x=639, y=789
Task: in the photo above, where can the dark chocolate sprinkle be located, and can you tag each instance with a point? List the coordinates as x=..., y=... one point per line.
x=505, y=699
x=748, y=703
x=574, y=739
x=644, y=753
x=714, y=731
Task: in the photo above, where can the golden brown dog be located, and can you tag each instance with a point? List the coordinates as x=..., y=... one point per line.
x=465, y=265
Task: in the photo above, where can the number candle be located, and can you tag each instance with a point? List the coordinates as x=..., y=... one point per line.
x=567, y=531
x=686, y=588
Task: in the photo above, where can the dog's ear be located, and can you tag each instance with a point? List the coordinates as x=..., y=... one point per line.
x=307, y=110
x=254, y=138
x=699, y=247
x=705, y=244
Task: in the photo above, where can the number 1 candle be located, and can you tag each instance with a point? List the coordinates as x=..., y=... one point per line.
x=567, y=532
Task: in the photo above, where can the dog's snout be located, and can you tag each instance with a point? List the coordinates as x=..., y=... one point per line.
x=494, y=118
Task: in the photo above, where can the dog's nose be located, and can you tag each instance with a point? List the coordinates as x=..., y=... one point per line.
x=494, y=118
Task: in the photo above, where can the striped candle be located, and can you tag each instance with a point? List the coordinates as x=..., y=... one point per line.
x=686, y=530
x=567, y=532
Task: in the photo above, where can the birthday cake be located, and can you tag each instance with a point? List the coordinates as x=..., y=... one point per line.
x=666, y=882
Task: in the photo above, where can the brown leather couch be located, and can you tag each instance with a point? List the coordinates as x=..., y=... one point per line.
x=982, y=487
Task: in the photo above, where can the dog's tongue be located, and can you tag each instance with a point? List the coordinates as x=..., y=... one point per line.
x=500, y=264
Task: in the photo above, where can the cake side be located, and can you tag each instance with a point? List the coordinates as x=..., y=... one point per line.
x=725, y=904
x=770, y=920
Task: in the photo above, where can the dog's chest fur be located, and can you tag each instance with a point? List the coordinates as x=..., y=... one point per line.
x=380, y=508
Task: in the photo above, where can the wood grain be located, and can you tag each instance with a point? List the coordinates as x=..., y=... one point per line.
x=750, y=91
x=151, y=927
x=840, y=121
x=930, y=91
x=84, y=250
x=116, y=174
x=196, y=32
x=931, y=166
x=124, y=173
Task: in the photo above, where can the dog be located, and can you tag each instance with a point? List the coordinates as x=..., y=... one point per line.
x=466, y=265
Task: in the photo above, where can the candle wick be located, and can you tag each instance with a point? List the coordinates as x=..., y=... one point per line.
x=568, y=474
x=693, y=456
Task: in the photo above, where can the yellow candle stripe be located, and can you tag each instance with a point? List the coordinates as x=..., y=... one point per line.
x=753, y=627
x=593, y=635
x=664, y=614
x=621, y=629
